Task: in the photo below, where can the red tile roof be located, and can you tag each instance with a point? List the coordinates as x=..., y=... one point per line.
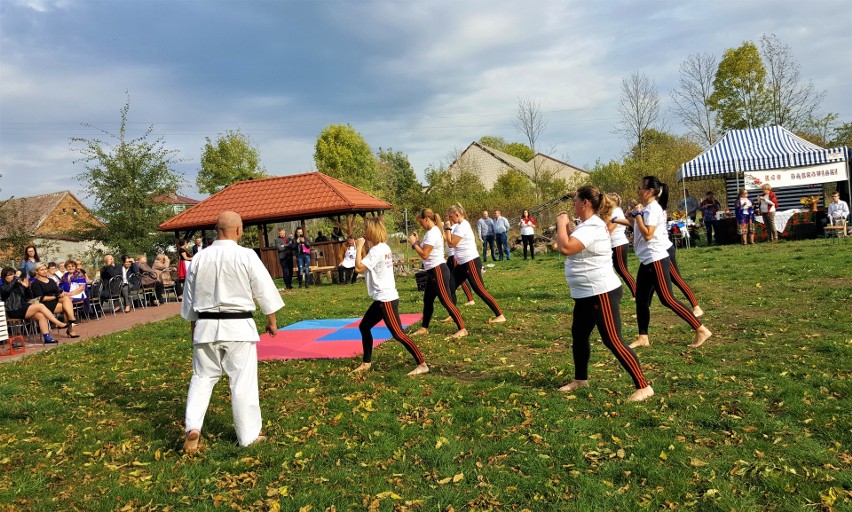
x=278, y=199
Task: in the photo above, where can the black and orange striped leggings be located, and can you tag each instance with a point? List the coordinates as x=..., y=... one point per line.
x=451, y=263
x=678, y=281
x=439, y=284
x=389, y=312
x=619, y=261
x=656, y=277
x=602, y=311
x=472, y=273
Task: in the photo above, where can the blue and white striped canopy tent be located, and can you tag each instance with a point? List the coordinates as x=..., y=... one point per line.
x=757, y=149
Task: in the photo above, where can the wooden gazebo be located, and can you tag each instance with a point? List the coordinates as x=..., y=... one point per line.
x=282, y=199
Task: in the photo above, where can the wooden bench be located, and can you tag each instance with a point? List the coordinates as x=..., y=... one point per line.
x=318, y=272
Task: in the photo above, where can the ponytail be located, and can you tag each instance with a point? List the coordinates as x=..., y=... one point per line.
x=427, y=213
x=601, y=204
x=661, y=190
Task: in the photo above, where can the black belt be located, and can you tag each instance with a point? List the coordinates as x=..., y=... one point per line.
x=224, y=315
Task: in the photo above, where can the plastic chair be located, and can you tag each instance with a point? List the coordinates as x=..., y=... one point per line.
x=95, y=299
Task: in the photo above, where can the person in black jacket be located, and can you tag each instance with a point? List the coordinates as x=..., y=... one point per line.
x=284, y=244
x=108, y=271
x=16, y=295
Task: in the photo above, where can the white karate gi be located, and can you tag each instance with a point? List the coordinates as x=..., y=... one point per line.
x=226, y=277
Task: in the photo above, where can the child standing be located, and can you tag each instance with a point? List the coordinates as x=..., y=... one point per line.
x=745, y=217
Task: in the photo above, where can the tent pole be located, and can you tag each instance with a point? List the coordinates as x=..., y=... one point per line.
x=685, y=225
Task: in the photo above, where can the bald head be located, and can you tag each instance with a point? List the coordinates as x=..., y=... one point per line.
x=229, y=225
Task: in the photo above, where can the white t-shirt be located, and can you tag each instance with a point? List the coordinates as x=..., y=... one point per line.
x=435, y=238
x=617, y=236
x=527, y=226
x=381, y=285
x=657, y=247
x=589, y=272
x=349, y=257
x=466, y=248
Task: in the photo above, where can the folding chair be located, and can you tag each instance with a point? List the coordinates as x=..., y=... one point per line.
x=169, y=285
x=95, y=299
x=112, y=295
x=135, y=291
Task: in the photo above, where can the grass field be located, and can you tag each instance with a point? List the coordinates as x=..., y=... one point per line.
x=756, y=419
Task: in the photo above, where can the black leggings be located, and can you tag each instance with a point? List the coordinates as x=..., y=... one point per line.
x=602, y=311
x=678, y=281
x=619, y=261
x=439, y=284
x=656, y=277
x=528, y=242
x=472, y=273
x=451, y=264
x=389, y=312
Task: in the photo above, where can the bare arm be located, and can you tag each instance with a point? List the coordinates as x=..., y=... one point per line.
x=565, y=243
x=359, y=255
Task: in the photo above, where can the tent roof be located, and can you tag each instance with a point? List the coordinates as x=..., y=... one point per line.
x=757, y=149
x=278, y=199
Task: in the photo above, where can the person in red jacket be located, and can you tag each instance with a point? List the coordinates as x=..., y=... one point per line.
x=768, y=206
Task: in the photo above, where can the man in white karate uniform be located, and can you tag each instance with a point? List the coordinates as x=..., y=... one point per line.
x=218, y=301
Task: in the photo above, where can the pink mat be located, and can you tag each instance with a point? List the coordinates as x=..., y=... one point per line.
x=333, y=338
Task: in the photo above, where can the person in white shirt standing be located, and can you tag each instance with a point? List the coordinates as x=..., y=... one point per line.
x=651, y=243
x=595, y=288
x=346, y=268
x=619, y=242
x=439, y=283
x=377, y=267
x=468, y=265
x=218, y=300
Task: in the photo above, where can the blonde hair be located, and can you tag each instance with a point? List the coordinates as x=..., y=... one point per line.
x=375, y=230
x=615, y=198
x=427, y=213
x=38, y=266
x=457, y=208
x=766, y=186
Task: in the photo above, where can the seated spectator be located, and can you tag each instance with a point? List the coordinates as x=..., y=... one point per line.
x=55, y=300
x=56, y=271
x=838, y=211
x=161, y=265
x=16, y=294
x=346, y=267
x=108, y=271
x=337, y=234
x=75, y=283
x=320, y=237
x=150, y=278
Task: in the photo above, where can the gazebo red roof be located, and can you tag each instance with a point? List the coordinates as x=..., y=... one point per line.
x=278, y=199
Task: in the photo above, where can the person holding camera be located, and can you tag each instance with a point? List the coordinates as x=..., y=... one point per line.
x=439, y=278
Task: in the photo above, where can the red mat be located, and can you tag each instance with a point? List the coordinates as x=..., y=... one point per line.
x=323, y=339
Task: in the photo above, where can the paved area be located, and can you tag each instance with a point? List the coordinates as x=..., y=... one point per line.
x=106, y=325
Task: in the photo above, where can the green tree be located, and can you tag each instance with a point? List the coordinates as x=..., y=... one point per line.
x=740, y=97
x=519, y=150
x=342, y=153
x=123, y=176
x=842, y=135
x=493, y=142
x=399, y=186
x=231, y=158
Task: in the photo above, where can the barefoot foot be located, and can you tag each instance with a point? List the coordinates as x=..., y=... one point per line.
x=259, y=439
x=419, y=370
x=420, y=332
x=470, y=303
x=701, y=335
x=697, y=311
x=363, y=368
x=641, y=341
x=641, y=394
x=460, y=334
x=574, y=385
x=446, y=320
x=497, y=320
x=190, y=445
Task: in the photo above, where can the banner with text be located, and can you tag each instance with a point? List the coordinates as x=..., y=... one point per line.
x=825, y=173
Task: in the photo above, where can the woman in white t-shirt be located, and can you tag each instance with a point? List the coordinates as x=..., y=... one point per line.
x=619, y=242
x=439, y=281
x=595, y=289
x=451, y=264
x=377, y=267
x=468, y=264
x=651, y=244
x=346, y=268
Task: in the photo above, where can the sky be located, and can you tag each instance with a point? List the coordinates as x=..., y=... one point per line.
x=425, y=77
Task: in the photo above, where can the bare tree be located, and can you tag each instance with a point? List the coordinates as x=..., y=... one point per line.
x=530, y=122
x=792, y=102
x=692, y=98
x=639, y=109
